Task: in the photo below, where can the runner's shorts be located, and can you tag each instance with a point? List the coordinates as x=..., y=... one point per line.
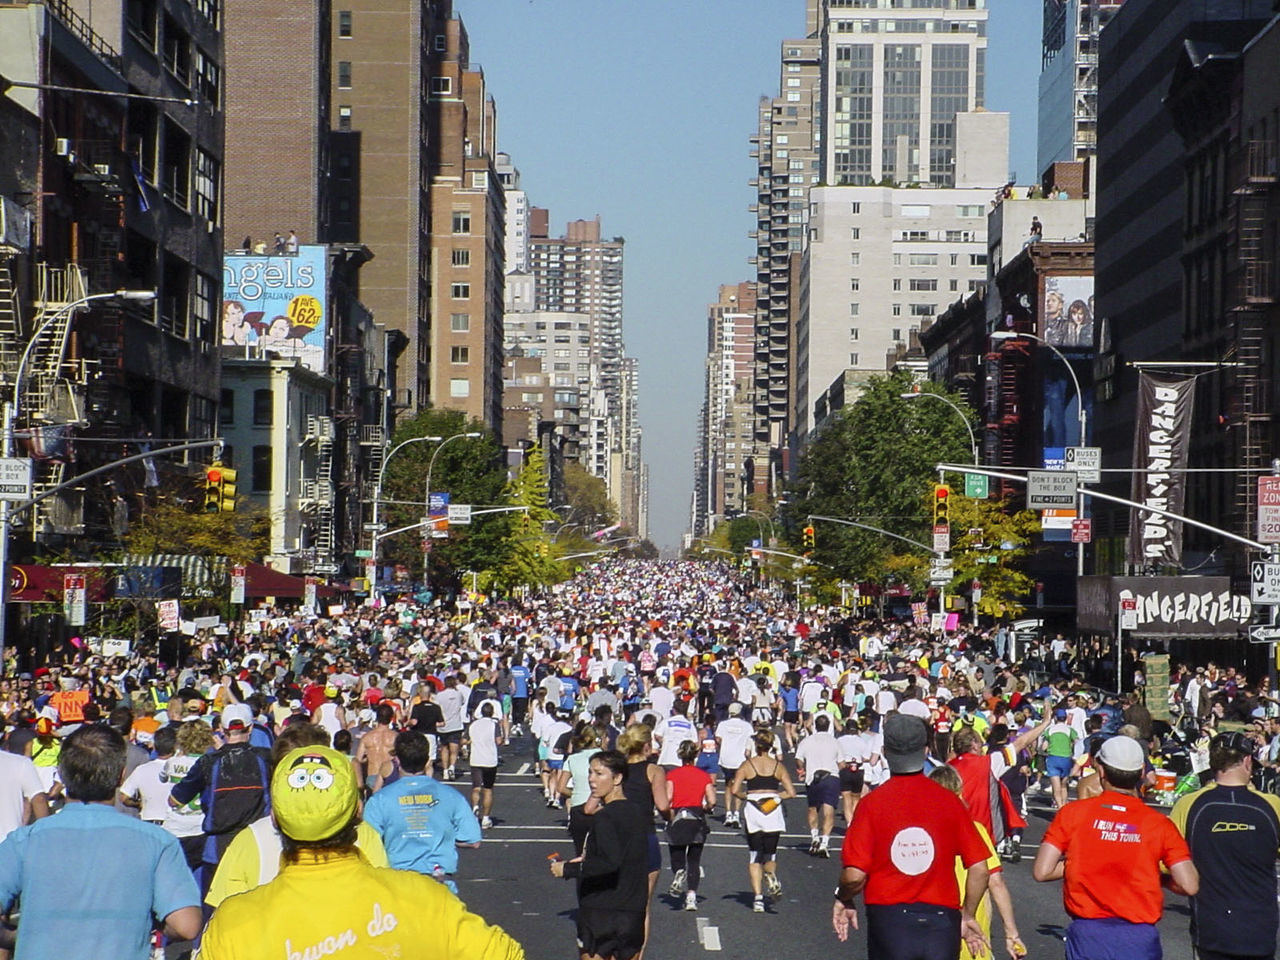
x=1112, y=939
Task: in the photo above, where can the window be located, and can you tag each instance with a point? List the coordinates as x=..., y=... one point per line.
x=955, y=284
x=781, y=138
x=897, y=309
x=442, y=86
x=897, y=333
x=262, y=408
x=344, y=24
x=459, y=354
x=176, y=54
x=923, y=259
x=460, y=322
x=955, y=259
x=897, y=284
x=897, y=259
x=461, y=222
x=855, y=259
x=208, y=78
x=854, y=283
x=853, y=359
x=175, y=299
x=344, y=117
x=853, y=333
x=227, y=409
x=923, y=309
x=977, y=259
x=208, y=9
x=206, y=186
x=439, y=42
x=344, y=74
x=855, y=309
x=460, y=291
x=915, y=210
x=459, y=387
x=855, y=233
x=915, y=284
x=140, y=15
x=461, y=258
x=261, y=480
x=855, y=208
x=204, y=309
x=175, y=173
x=969, y=210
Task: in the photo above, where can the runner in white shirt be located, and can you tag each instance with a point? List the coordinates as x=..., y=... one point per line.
x=21, y=793
x=673, y=731
x=485, y=736
x=818, y=761
x=733, y=736
x=662, y=699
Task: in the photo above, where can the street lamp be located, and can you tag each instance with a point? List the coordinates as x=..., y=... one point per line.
x=973, y=439
x=12, y=408
x=430, y=467
x=377, y=501
x=1082, y=416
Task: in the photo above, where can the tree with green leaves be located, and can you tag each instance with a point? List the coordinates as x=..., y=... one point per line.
x=167, y=526
x=871, y=462
x=529, y=561
x=587, y=497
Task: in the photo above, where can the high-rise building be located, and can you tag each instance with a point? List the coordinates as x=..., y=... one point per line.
x=467, y=235
x=1068, y=127
x=517, y=236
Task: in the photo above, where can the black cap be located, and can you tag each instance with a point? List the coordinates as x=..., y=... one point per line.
x=905, y=741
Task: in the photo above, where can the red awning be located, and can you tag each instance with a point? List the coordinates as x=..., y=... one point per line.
x=33, y=584
x=261, y=581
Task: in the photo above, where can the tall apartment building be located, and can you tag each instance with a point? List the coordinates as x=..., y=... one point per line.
x=466, y=214
x=788, y=156
x=102, y=193
x=894, y=78
x=517, y=235
x=1068, y=127
x=729, y=462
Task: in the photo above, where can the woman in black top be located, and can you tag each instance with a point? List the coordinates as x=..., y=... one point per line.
x=613, y=871
x=645, y=785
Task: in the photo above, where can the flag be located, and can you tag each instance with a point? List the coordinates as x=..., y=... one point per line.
x=140, y=182
x=49, y=442
x=601, y=534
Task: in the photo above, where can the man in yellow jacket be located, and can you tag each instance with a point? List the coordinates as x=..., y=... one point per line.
x=328, y=897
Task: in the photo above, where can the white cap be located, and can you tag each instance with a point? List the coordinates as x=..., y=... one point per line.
x=1122, y=753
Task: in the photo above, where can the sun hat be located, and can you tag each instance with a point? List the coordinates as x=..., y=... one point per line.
x=313, y=793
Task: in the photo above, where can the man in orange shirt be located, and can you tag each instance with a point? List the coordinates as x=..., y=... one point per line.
x=1108, y=851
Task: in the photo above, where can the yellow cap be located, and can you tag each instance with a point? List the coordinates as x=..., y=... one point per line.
x=314, y=793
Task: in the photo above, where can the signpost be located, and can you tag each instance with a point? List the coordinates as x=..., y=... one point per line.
x=15, y=479
x=941, y=538
x=459, y=514
x=1264, y=634
x=1264, y=582
x=1086, y=462
x=1049, y=489
x=1269, y=509
x=237, y=584
x=976, y=486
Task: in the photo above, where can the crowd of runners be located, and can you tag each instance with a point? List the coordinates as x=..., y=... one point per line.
x=287, y=761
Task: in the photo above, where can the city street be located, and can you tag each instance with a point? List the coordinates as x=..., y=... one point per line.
x=507, y=882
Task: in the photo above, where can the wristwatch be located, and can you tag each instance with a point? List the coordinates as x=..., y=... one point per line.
x=847, y=904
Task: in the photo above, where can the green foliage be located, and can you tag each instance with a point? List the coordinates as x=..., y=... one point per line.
x=587, y=497
x=170, y=527
x=873, y=462
x=529, y=560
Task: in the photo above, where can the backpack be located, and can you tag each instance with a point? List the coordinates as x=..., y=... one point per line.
x=236, y=789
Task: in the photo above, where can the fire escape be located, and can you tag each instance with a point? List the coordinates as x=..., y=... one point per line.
x=317, y=492
x=1003, y=405
x=1258, y=178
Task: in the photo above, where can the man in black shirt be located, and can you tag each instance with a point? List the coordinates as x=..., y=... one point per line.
x=1234, y=835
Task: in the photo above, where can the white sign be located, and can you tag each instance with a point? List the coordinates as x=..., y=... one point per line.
x=1086, y=462
x=237, y=584
x=1264, y=634
x=309, y=595
x=15, y=479
x=170, y=616
x=206, y=623
x=460, y=514
x=937, y=621
x=1128, y=614
x=1264, y=582
x=74, y=605
x=1269, y=509
x=1049, y=489
x=941, y=538
x=115, y=647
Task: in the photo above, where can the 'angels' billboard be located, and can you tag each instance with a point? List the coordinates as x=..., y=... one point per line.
x=277, y=303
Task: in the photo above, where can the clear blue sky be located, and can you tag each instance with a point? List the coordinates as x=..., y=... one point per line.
x=639, y=111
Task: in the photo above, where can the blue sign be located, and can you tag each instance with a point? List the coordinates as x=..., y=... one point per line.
x=437, y=505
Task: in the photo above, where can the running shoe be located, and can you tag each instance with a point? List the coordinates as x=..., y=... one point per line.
x=691, y=901
x=486, y=823
x=757, y=905
x=679, y=883
x=823, y=852
x=813, y=847
x=772, y=885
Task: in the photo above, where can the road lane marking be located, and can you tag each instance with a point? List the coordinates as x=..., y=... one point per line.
x=711, y=938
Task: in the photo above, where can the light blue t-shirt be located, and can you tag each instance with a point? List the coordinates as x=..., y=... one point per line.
x=420, y=820
x=577, y=764
x=91, y=880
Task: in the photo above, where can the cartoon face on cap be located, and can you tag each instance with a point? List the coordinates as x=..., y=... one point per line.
x=313, y=793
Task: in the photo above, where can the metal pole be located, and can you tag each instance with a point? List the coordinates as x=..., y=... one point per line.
x=973, y=437
x=4, y=539
x=426, y=557
x=1273, y=555
x=377, y=503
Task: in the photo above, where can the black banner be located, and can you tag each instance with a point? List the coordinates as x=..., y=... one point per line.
x=1162, y=434
x=1163, y=606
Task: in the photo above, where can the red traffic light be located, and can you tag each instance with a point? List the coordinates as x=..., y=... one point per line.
x=214, y=476
x=941, y=492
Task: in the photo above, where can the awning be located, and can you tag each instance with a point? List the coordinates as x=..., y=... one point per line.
x=262, y=581
x=35, y=584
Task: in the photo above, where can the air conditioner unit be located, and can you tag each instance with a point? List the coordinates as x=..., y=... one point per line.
x=102, y=169
x=62, y=146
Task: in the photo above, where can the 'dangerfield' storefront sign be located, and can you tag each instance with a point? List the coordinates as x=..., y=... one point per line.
x=1165, y=606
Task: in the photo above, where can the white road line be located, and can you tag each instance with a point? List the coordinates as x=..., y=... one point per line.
x=524, y=768
x=711, y=938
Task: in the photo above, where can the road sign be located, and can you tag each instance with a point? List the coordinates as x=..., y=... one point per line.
x=237, y=584
x=459, y=514
x=1264, y=634
x=73, y=599
x=1086, y=462
x=326, y=568
x=1128, y=614
x=1269, y=509
x=1047, y=489
x=941, y=538
x=1082, y=530
x=976, y=486
x=1264, y=582
x=374, y=527
x=363, y=554
x=15, y=479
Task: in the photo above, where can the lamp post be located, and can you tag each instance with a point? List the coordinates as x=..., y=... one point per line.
x=973, y=439
x=12, y=409
x=427, y=498
x=1082, y=416
x=377, y=501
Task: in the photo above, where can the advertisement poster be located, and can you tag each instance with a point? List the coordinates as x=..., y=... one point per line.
x=277, y=303
x=1066, y=313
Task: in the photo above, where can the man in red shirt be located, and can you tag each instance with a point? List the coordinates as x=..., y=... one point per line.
x=1108, y=851
x=900, y=853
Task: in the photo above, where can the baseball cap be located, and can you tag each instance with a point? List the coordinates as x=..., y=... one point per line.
x=44, y=726
x=236, y=716
x=735, y=709
x=1122, y=753
x=313, y=793
x=905, y=740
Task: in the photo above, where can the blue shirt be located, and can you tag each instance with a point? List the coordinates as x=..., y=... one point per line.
x=91, y=880
x=568, y=692
x=520, y=682
x=421, y=820
x=790, y=697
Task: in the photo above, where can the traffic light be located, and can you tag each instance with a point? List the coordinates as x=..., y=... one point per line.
x=942, y=505
x=227, y=503
x=808, y=538
x=213, y=489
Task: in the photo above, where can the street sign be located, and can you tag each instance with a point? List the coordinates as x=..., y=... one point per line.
x=327, y=568
x=941, y=538
x=459, y=514
x=1086, y=462
x=1047, y=489
x=1128, y=614
x=374, y=527
x=438, y=504
x=1269, y=509
x=1264, y=582
x=1082, y=530
x=237, y=584
x=976, y=486
x=73, y=599
x=1264, y=634
x=15, y=479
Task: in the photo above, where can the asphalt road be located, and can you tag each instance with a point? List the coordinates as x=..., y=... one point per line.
x=507, y=881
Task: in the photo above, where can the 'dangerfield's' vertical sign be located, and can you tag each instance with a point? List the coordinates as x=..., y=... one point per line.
x=1162, y=435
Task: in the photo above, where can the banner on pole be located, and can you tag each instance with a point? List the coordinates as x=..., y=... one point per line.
x=1162, y=435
